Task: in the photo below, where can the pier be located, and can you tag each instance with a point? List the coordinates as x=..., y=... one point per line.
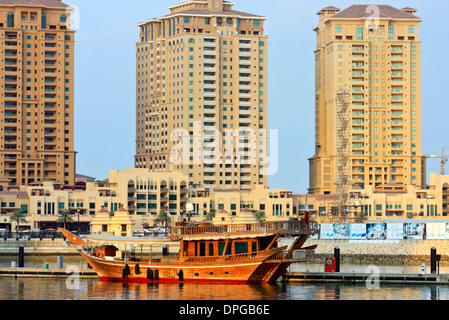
x=45, y=273
x=355, y=277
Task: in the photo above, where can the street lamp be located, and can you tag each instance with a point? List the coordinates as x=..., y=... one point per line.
x=78, y=211
x=189, y=210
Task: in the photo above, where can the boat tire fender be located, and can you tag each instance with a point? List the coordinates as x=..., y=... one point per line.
x=125, y=272
x=137, y=269
x=181, y=275
x=156, y=274
x=150, y=275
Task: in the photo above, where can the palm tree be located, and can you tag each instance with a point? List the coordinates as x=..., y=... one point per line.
x=210, y=216
x=18, y=216
x=360, y=217
x=260, y=216
x=163, y=217
x=64, y=217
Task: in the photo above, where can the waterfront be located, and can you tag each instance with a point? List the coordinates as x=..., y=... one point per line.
x=49, y=289
x=93, y=289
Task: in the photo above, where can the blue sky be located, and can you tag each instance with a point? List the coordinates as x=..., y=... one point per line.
x=105, y=80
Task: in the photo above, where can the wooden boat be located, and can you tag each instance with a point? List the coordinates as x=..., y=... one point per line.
x=248, y=253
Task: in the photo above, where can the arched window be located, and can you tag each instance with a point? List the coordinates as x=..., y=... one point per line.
x=256, y=23
x=359, y=33
x=10, y=21
x=191, y=40
x=390, y=32
x=261, y=44
x=43, y=21
x=338, y=28
x=67, y=38
x=63, y=18
x=186, y=20
x=411, y=29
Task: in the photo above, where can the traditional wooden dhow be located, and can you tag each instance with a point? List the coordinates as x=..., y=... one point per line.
x=248, y=253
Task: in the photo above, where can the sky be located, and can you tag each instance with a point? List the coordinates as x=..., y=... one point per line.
x=105, y=80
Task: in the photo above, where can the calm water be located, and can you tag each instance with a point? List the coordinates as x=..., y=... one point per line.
x=93, y=289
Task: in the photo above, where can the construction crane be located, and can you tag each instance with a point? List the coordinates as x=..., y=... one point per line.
x=443, y=158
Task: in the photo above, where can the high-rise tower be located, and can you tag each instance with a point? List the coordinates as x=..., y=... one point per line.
x=37, y=92
x=203, y=67
x=374, y=51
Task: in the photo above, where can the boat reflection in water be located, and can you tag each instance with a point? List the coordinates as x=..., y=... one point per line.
x=184, y=291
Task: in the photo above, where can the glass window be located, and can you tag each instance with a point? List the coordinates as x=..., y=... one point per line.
x=338, y=28
x=359, y=33
x=63, y=18
x=390, y=32
x=10, y=21
x=43, y=21
x=256, y=23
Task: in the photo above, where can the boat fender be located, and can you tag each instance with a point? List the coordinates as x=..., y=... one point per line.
x=125, y=272
x=150, y=275
x=181, y=275
x=156, y=274
x=137, y=270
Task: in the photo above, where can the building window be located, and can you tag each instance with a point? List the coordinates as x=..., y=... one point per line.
x=186, y=20
x=338, y=28
x=191, y=41
x=10, y=21
x=63, y=18
x=359, y=33
x=390, y=32
x=206, y=20
x=256, y=23
x=43, y=21
x=411, y=29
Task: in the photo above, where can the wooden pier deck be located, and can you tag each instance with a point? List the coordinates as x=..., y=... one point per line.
x=355, y=277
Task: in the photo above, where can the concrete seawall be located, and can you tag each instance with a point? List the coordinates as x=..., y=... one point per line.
x=352, y=251
x=382, y=251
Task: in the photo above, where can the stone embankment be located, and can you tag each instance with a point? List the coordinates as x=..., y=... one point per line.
x=381, y=251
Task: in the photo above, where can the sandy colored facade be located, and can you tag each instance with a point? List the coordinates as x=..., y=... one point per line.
x=379, y=62
x=389, y=201
x=141, y=193
x=202, y=75
x=37, y=92
x=275, y=203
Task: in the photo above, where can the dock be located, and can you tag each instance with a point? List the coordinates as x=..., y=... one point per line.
x=45, y=273
x=355, y=277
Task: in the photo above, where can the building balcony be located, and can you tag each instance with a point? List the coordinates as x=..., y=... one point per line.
x=244, y=70
x=210, y=102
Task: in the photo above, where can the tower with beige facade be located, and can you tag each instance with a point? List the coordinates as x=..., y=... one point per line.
x=373, y=53
x=37, y=92
x=202, y=75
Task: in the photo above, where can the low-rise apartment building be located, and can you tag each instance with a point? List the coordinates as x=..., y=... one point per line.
x=145, y=194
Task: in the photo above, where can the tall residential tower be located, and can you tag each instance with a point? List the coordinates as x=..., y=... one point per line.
x=37, y=92
x=370, y=55
x=203, y=67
